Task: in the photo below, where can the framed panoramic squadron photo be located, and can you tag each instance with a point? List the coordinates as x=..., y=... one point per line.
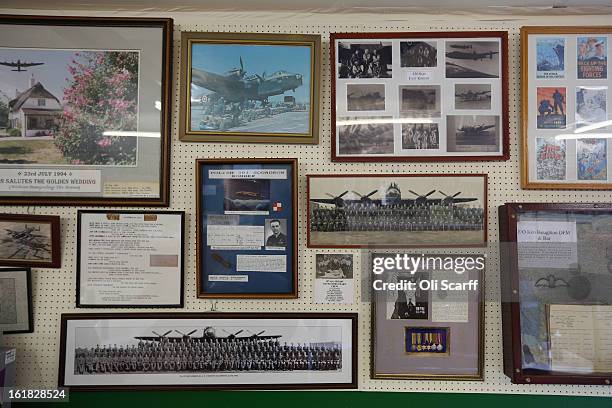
x=565, y=93
x=208, y=351
x=130, y=258
x=433, y=329
x=86, y=114
x=239, y=87
x=246, y=228
x=30, y=240
x=422, y=96
x=397, y=210
x=556, y=281
x=16, y=301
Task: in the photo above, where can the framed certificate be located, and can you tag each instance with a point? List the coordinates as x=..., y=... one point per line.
x=419, y=96
x=428, y=322
x=565, y=88
x=556, y=264
x=246, y=228
x=234, y=351
x=130, y=258
x=16, y=314
x=85, y=111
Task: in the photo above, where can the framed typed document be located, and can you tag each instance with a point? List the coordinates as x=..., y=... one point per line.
x=430, y=324
x=246, y=228
x=250, y=87
x=420, y=96
x=557, y=292
x=16, y=290
x=215, y=351
x=30, y=240
x=565, y=91
x=130, y=258
x=397, y=210
x=85, y=110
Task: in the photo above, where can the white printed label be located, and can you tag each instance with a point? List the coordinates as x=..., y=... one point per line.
x=419, y=75
x=50, y=180
x=228, y=278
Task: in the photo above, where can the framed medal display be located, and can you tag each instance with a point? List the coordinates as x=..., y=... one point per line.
x=557, y=292
x=566, y=87
x=246, y=228
x=428, y=323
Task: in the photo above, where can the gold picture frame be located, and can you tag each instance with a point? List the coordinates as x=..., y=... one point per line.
x=251, y=93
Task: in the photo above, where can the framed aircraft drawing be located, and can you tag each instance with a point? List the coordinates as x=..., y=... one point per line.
x=246, y=228
x=208, y=351
x=86, y=110
x=419, y=96
x=238, y=87
x=397, y=210
x=566, y=86
x=30, y=240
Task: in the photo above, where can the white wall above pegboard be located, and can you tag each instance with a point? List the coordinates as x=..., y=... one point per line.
x=54, y=289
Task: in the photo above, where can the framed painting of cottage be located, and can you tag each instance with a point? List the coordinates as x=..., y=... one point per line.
x=30, y=240
x=84, y=110
x=566, y=121
x=235, y=351
x=419, y=96
x=250, y=88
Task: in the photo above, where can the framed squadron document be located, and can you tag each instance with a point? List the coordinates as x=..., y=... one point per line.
x=557, y=292
x=250, y=87
x=247, y=228
x=566, y=87
x=419, y=96
x=397, y=210
x=130, y=258
x=85, y=110
x=235, y=351
x=430, y=323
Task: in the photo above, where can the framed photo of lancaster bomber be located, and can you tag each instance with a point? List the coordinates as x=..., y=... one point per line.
x=250, y=88
x=208, y=351
x=397, y=210
x=565, y=88
x=246, y=228
x=85, y=110
x=419, y=96
x=435, y=334
x=30, y=240
x=556, y=278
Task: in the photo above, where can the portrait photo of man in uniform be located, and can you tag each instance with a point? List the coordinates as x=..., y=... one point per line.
x=276, y=233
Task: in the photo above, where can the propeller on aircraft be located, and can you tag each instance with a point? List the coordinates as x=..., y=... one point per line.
x=338, y=201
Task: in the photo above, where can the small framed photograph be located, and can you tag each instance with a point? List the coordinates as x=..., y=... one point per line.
x=235, y=351
x=30, y=240
x=428, y=320
x=130, y=258
x=87, y=110
x=565, y=92
x=16, y=301
x=422, y=96
x=397, y=210
x=250, y=88
x=247, y=228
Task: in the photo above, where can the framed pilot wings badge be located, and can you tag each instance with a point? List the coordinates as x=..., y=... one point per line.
x=238, y=87
x=426, y=96
x=566, y=87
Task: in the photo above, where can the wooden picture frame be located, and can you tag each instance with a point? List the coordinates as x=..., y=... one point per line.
x=215, y=261
x=230, y=86
x=147, y=260
x=526, y=288
x=18, y=286
x=562, y=91
x=29, y=246
x=389, y=358
x=101, y=87
x=355, y=230
x=394, y=126
x=333, y=333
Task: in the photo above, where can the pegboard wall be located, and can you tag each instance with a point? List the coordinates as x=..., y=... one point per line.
x=54, y=289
